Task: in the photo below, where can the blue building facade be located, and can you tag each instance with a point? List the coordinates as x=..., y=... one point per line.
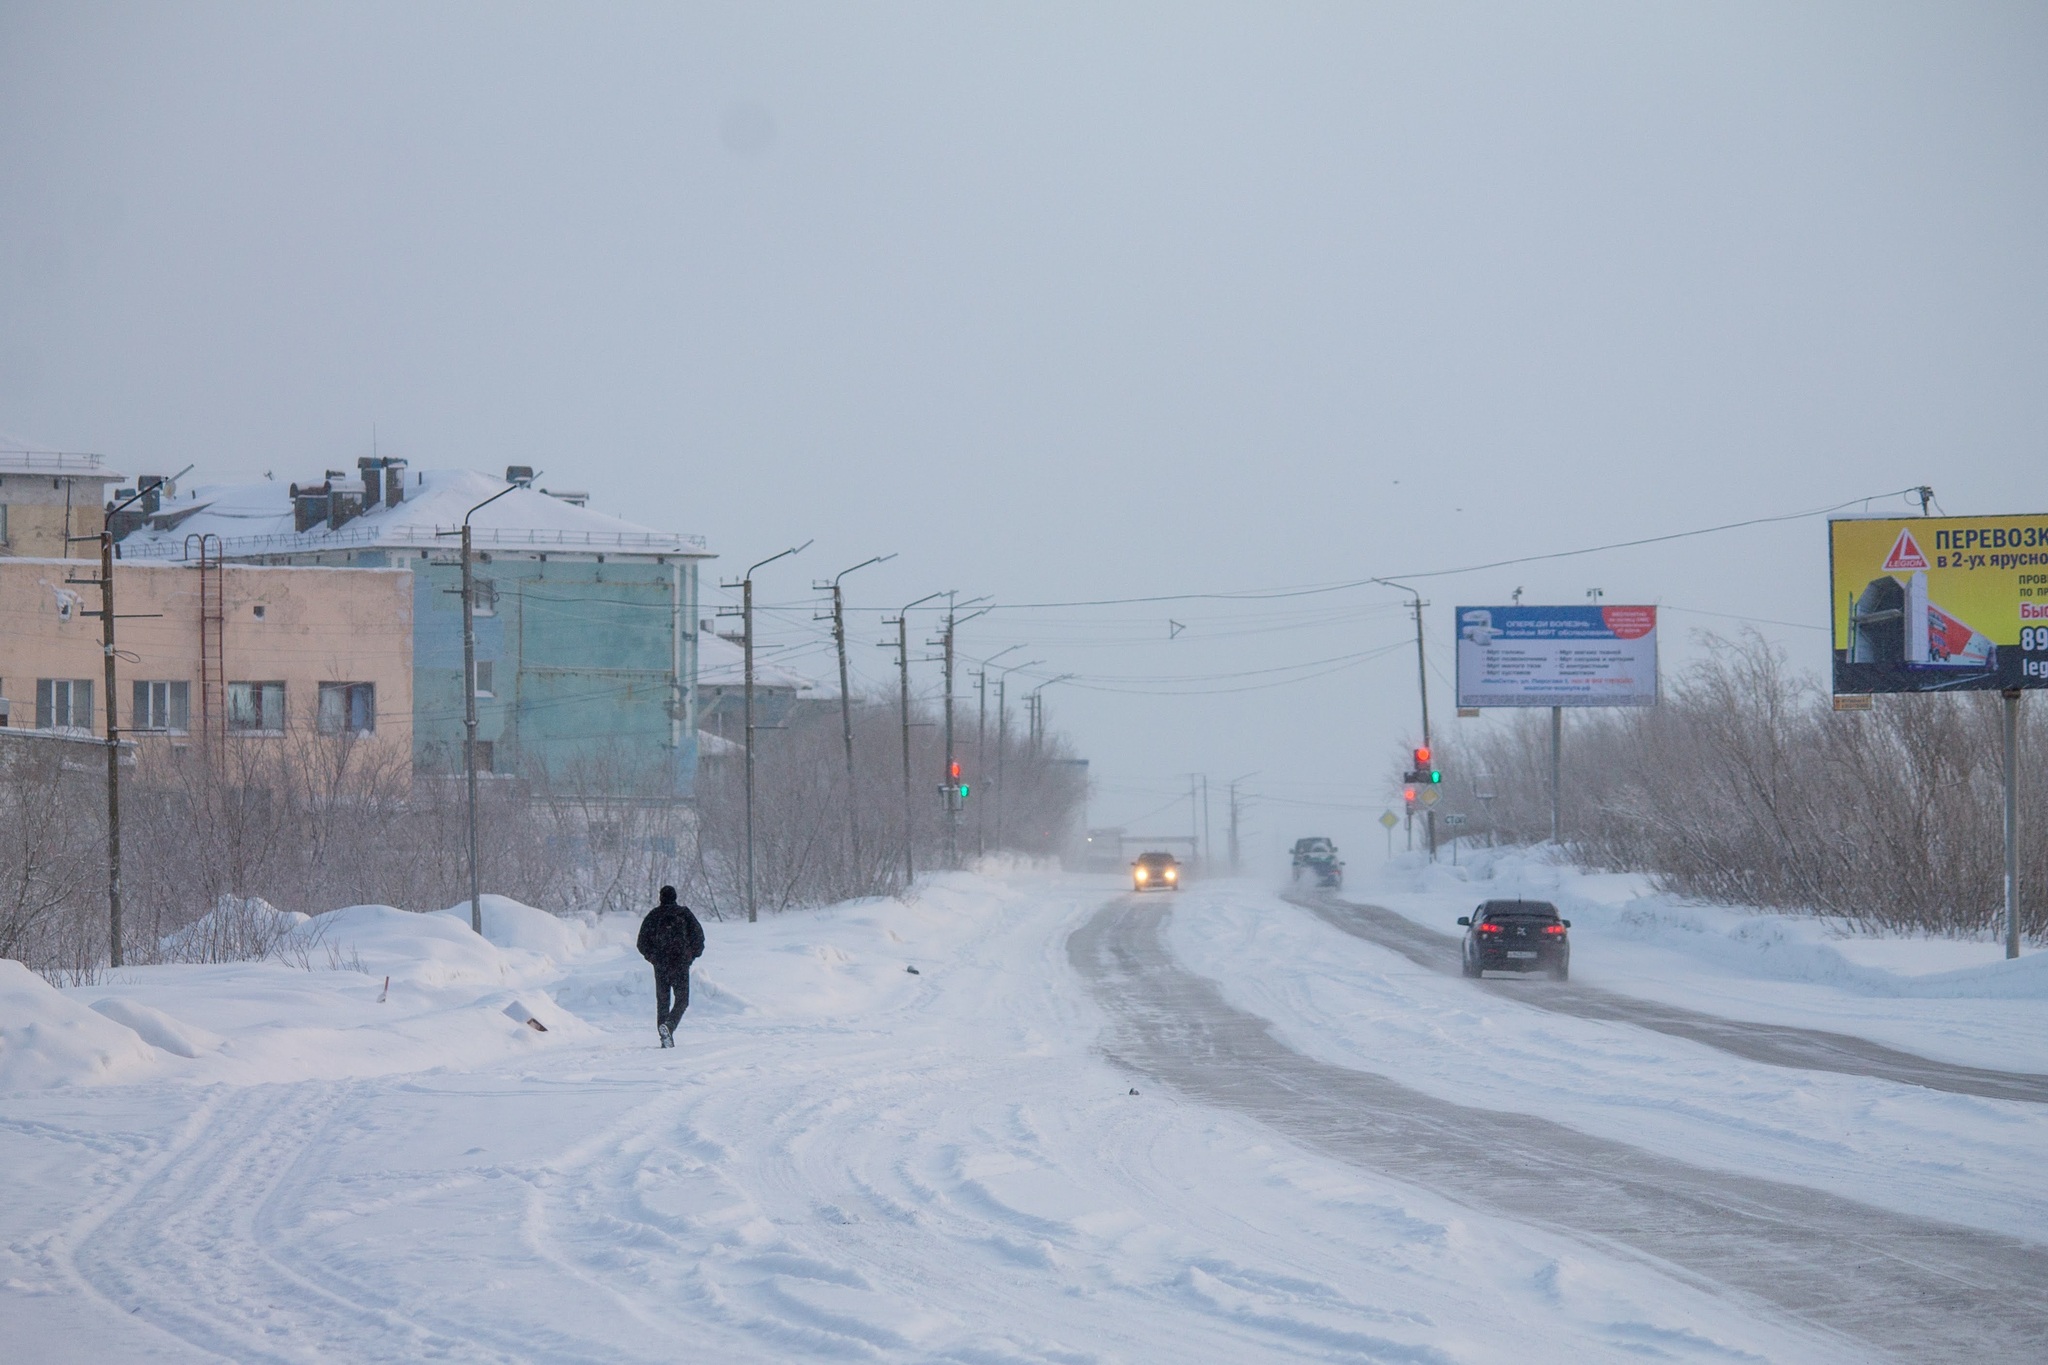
x=586, y=624
x=585, y=668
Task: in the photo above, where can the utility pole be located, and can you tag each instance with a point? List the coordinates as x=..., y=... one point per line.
x=846, y=703
x=1194, y=818
x=476, y=900
x=1037, y=700
x=105, y=583
x=1234, y=863
x=2012, y=822
x=1422, y=687
x=1003, y=740
x=1208, y=841
x=949, y=787
x=981, y=748
x=746, y=587
x=902, y=648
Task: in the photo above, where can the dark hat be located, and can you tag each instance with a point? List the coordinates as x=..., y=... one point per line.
x=668, y=895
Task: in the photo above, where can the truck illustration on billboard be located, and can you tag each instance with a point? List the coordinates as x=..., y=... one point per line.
x=1938, y=603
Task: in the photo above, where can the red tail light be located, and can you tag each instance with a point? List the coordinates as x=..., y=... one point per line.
x=1553, y=928
x=1489, y=928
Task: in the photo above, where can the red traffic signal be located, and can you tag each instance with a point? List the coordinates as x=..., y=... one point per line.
x=1408, y=795
x=954, y=771
x=1422, y=758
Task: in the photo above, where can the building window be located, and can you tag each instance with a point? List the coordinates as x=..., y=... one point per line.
x=256, y=708
x=486, y=756
x=348, y=708
x=486, y=678
x=162, y=706
x=63, y=703
x=3, y=523
x=483, y=597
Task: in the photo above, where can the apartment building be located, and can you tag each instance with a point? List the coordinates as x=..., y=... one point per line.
x=241, y=654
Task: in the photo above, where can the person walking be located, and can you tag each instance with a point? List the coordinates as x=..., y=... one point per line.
x=671, y=939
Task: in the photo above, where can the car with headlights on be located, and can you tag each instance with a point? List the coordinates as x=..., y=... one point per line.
x=1517, y=936
x=1155, y=872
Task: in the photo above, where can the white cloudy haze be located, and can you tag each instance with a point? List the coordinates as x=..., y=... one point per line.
x=1072, y=302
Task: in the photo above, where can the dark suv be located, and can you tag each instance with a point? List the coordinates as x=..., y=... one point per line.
x=1517, y=936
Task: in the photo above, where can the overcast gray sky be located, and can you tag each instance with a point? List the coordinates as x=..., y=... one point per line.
x=1070, y=302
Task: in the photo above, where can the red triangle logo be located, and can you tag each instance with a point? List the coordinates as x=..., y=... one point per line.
x=1905, y=554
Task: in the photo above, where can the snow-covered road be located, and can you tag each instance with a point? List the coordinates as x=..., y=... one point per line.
x=848, y=1159
x=1803, y=1049
x=1916, y=1287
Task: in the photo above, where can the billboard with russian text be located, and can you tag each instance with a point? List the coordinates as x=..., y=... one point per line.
x=1557, y=656
x=1939, y=604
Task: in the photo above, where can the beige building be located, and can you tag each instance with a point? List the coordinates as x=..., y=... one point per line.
x=240, y=653
x=47, y=499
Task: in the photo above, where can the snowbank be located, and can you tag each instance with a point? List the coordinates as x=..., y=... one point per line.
x=49, y=1039
x=158, y=1029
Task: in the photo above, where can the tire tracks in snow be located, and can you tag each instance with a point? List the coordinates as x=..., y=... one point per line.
x=191, y=1246
x=1911, y=1287
x=1783, y=1045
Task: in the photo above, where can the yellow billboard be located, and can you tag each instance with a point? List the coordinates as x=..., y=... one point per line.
x=1937, y=604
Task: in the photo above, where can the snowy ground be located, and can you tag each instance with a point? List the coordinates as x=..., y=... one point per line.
x=845, y=1159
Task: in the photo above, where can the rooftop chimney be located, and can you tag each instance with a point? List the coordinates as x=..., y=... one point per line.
x=394, y=482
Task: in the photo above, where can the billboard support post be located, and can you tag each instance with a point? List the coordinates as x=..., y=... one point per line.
x=2012, y=823
x=1556, y=774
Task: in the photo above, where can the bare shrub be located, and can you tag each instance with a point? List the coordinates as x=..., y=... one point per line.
x=1745, y=785
x=215, y=837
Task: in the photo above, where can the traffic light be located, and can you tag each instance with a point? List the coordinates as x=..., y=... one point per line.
x=1408, y=795
x=953, y=772
x=1424, y=770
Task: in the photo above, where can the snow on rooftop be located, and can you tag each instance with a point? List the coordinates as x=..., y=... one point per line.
x=26, y=457
x=722, y=663
x=256, y=519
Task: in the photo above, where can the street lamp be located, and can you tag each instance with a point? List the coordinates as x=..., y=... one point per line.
x=476, y=900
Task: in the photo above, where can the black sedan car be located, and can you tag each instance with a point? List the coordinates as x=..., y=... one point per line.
x=1517, y=936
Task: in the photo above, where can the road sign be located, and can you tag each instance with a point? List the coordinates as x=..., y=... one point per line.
x=1557, y=656
x=1939, y=604
x=1429, y=796
x=1453, y=818
x=1389, y=819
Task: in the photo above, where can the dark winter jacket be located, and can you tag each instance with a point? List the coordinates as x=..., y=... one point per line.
x=670, y=936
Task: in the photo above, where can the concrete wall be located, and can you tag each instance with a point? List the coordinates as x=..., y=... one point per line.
x=36, y=507
x=315, y=625
x=592, y=664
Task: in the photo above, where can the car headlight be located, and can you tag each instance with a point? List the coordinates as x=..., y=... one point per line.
x=1142, y=874
x=1171, y=874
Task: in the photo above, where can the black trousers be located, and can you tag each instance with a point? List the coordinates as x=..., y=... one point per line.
x=671, y=993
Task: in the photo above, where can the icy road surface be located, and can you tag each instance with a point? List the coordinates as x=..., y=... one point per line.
x=846, y=1160
x=1806, y=1049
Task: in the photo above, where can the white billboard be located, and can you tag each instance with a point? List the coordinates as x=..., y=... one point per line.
x=1557, y=656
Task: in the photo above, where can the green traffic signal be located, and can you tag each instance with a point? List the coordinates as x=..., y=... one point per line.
x=963, y=791
x=1435, y=776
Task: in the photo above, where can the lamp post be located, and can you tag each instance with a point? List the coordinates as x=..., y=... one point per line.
x=1003, y=739
x=846, y=704
x=476, y=900
x=747, y=640
x=981, y=748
